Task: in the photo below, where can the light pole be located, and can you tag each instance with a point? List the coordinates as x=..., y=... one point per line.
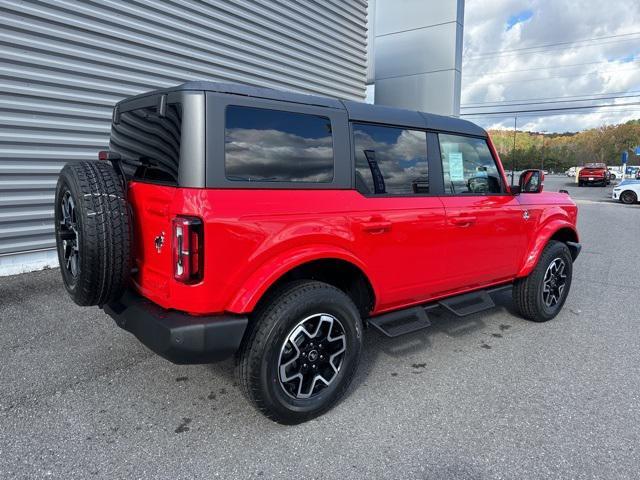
x=544, y=138
x=513, y=155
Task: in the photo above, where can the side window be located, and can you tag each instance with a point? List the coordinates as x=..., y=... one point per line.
x=390, y=160
x=468, y=166
x=263, y=145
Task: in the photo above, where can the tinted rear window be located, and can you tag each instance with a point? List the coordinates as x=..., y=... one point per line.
x=148, y=143
x=277, y=146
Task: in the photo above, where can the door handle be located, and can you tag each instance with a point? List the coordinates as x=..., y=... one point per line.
x=463, y=221
x=377, y=227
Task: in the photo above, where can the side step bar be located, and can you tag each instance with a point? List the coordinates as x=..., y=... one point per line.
x=413, y=319
x=468, y=304
x=398, y=323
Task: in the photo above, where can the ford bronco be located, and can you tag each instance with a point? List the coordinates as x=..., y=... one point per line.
x=227, y=220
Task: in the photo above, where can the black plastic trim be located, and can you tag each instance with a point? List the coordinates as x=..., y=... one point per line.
x=575, y=248
x=177, y=336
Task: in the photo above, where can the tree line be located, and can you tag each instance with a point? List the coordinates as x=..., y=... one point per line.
x=560, y=151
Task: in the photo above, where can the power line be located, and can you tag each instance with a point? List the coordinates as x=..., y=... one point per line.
x=505, y=72
x=551, y=98
x=568, y=42
x=568, y=76
x=548, y=114
x=502, y=104
x=543, y=50
x=518, y=112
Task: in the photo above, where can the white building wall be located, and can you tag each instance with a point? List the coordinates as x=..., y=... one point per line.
x=418, y=54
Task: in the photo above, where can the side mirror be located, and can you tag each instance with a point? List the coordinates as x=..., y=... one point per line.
x=531, y=181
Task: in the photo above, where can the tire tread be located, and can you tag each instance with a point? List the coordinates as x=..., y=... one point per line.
x=526, y=290
x=105, y=242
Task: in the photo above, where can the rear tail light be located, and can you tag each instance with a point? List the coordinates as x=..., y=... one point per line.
x=188, y=249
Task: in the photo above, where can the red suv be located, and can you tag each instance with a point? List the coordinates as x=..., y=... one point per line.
x=593, y=173
x=229, y=220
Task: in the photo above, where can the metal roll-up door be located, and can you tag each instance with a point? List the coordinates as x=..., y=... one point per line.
x=64, y=63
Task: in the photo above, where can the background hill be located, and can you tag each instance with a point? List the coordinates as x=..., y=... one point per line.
x=563, y=150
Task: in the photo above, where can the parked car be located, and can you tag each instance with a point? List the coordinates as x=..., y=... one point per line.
x=632, y=171
x=627, y=191
x=594, y=173
x=227, y=220
x=571, y=172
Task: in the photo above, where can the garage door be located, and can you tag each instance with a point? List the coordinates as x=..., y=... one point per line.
x=65, y=63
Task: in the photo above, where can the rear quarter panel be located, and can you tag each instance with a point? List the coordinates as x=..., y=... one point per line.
x=246, y=251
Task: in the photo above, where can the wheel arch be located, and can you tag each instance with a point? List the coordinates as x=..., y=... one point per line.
x=334, y=267
x=631, y=190
x=561, y=231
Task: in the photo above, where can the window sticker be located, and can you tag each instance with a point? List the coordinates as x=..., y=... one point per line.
x=456, y=167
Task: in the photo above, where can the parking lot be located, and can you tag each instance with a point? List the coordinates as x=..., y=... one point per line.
x=486, y=396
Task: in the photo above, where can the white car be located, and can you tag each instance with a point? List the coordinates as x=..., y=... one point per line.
x=627, y=191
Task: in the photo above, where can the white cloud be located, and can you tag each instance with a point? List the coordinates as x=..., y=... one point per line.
x=276, y=155
x=570, y=69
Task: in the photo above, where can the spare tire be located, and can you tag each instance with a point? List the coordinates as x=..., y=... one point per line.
x=93, y=234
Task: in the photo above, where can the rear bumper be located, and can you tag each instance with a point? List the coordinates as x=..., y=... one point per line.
x=176, y=336
x=595, y=180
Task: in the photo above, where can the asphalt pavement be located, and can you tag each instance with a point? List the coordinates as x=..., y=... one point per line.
x=485, y=397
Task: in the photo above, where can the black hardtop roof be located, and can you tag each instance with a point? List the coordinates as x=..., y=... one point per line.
x=357, y=111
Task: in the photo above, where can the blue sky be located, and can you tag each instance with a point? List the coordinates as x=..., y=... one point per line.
x=520, y=17
x=559, y=52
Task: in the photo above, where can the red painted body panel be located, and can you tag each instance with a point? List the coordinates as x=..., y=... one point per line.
x=586, y=173
x=548, y=213
x=412, y=249
x=491, y=247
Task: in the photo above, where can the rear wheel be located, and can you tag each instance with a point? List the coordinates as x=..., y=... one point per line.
x=301, y=353
x=540, y=296
x=628, y=197
x=92, y=232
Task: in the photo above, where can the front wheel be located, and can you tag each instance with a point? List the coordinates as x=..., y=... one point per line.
x=628, y=197
x=540, y=296
x=301, y=353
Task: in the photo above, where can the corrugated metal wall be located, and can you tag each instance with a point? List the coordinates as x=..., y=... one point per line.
x=64, y=63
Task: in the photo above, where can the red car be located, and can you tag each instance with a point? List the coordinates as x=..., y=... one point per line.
x=227, y=220
x=594, y=173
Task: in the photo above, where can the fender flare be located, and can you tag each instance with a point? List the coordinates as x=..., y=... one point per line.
x=265, y=276
x=542, y=237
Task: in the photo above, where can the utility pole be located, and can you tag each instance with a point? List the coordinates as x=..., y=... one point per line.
x=543, y=145
x=513, y=153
